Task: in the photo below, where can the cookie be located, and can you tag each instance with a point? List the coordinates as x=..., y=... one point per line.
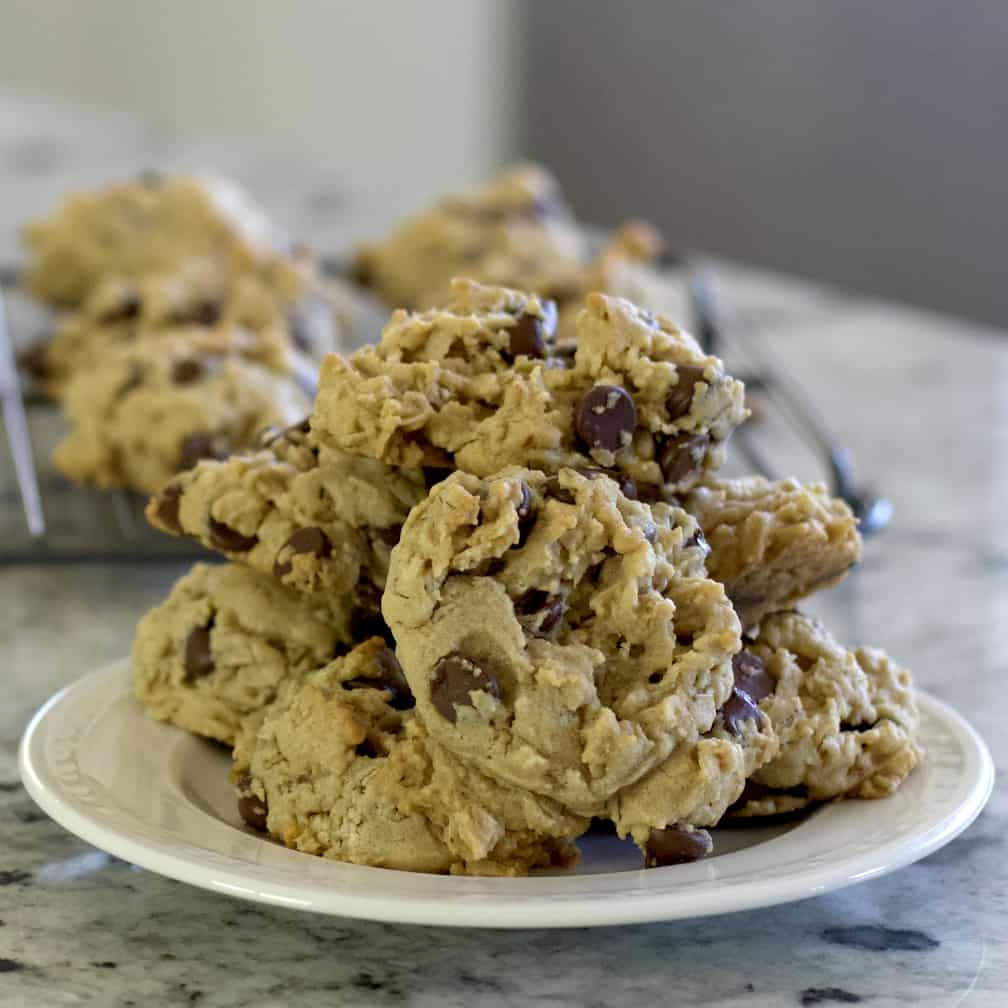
x=318, y=520
x=477, y=386
x=341, y=767
x=154, y=407
x=515, y=231
x=222, y=645
x=846, y=720
x=565, y=640
x=152, y=225
x=773, y=543
x=197, y=295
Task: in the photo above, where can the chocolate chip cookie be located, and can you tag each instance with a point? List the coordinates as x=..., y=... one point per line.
x=564, y=639
x=155, y=407
x=315, y=518
x=477, y=386
x=341, y=767
x=846, y=719
x=151, y=225
x=515, y=231
x=224, y=642
x=773, y=543
x=194, y=297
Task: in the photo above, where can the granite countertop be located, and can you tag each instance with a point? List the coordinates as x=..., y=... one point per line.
x=922, y=400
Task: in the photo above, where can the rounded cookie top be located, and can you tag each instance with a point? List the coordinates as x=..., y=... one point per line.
x=148, y=225
x=147, y=410
x=222, y=645
x=315, y=518
x=341, y=767
x=773, y=542
x=846, y=719
x=479, y=384
x=516, y=230
x=557, y=635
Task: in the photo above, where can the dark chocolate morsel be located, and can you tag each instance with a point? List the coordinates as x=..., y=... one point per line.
x=680, y=399
x=223, y=537
x=455, y=677
x=186, y=371
x=125, y=310
x=543, y=612
x=198, y=658
x=389, y=677
x=671, y=846
x=682, y=455
x=167, y=508
x=201, y=445
x=306, y=540
x=605, y=417
x=251, y=807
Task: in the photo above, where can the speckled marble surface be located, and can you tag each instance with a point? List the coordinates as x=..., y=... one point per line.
x=924, y=403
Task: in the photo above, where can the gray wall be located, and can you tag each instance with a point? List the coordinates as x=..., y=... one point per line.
x=858, y=141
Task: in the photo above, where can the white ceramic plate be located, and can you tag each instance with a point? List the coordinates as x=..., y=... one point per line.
x=160, y=798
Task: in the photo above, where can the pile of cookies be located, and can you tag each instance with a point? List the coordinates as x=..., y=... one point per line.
x=493, y=589
x=188, y=326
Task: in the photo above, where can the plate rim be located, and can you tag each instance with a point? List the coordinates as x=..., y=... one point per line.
x=580, y=911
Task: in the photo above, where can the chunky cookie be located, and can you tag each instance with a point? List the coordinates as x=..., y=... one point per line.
x=341, y=767
x=317, y=519
x=223, y=643
x=198, y=294
x=846, y=720
x=476, y=385
x=773, y=543
x=515, y=231
x=157, y=406
x=153, y=225
x=565, y=640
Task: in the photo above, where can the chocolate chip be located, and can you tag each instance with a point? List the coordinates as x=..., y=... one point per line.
x=389, y=677
x=198, y=658
x=306, y=540
x=697, y=539
x=680, y=399
x=553, y=489
x=223, y=537
x=202, y=445
x=752, y=684
x=251, y=807
x=565, y=353
x=672, y=846
x=206, y=312
x=531, y=335
x=682, y=455
x=455, y=677
x=543, y=612
x=167, y=508
x=187, y=371
x=605, y=416
x=125, y=310
x=751, y=675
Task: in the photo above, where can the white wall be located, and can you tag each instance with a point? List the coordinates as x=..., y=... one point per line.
x=392, y=95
